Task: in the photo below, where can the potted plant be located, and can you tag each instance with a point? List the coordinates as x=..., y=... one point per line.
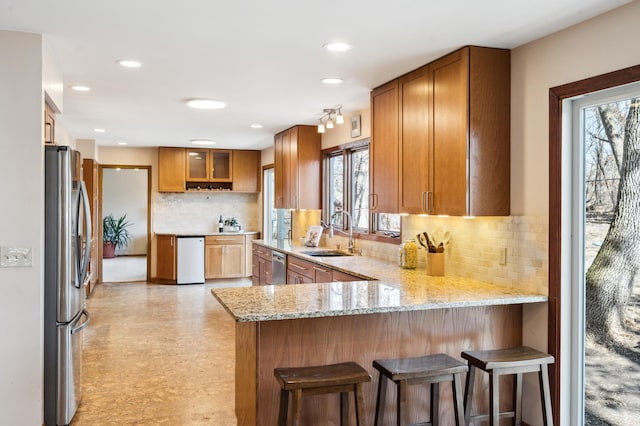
x=114, y=234
x=231, y=224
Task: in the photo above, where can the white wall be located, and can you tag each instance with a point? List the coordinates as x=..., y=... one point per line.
x=600, y=45
x=21, y=192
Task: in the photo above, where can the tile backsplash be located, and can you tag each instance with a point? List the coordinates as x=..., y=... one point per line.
x=478, y=248
x=199, y=212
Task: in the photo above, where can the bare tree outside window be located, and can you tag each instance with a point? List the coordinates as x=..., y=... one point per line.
x=612, y=262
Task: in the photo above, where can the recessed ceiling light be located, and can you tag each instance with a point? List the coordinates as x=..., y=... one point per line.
x=202, y=142
x=257, y=126
x=332, y=80
x=99, y=130
x=206, y=104
x=337, y=46
x=122, y=143
x=80, y=88
x=128, y=63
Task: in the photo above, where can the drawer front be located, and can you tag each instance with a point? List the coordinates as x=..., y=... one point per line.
x=224, y=239
x=262, y=252
x=301, y=267
x=341, y=276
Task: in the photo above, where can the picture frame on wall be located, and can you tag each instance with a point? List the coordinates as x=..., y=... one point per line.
x=355, y=126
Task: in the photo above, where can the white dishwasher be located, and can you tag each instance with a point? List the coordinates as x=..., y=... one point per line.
x=190, y=260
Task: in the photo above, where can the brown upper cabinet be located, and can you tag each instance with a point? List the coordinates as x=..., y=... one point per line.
x=440, y=137
x=181, y=169
x=297, y=168
x=246, y=171
x=209, y=165
x=383, y=149
x=171, y=170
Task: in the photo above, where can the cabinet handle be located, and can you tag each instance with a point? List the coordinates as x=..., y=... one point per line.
x=320, y=269
x=171, y=241
x=301, y=268
x=373, y=198
x=225, y=239
x=429, y=201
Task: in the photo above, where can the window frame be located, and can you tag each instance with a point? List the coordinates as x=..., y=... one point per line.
x=346, y=150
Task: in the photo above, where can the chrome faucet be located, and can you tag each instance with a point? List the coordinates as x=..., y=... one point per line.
x=351, y=246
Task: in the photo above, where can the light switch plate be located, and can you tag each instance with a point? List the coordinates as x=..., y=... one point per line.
x=15, y=257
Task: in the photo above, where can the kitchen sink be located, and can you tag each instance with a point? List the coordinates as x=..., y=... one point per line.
x=326, y=253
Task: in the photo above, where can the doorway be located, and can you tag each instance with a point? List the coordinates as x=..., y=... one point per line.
x=567, y=305
x=125, y=192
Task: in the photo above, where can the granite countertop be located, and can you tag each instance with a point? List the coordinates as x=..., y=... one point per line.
x=394, y=289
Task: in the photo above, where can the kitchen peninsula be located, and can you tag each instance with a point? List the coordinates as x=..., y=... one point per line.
x=400, y=313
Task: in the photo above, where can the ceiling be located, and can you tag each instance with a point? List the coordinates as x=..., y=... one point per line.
x=265, y=59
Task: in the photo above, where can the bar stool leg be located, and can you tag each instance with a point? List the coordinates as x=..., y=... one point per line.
x=359, y=396
x=381, y=400
x=284, y=407
x=435, y=403
x=517, y=399
x=297, y=406
x=545, y=395
x=468, y=393
x=344, y=408
x=402, y=402
x=494, y=398
x=457, y=399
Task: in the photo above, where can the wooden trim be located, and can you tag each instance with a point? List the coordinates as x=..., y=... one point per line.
x=556, y=96
x=101, y=167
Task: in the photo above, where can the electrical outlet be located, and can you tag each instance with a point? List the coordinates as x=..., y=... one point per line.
x=503, y=256
x=15, y=257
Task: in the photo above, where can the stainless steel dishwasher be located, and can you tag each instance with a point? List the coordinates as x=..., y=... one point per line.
x=278, y=268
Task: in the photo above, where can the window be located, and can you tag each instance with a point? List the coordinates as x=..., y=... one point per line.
x=277, y=222
x=346, y=186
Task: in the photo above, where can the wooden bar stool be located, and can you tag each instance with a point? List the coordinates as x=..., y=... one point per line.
x=516, y=361
x=433, y=369
x=344, y=378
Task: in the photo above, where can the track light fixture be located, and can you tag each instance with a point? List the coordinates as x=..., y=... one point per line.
x=329, y=117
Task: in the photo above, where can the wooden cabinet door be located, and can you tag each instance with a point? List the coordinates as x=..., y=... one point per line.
x=308, y=161
x=220, y=165
x=415, y=155
x=166, y=257
x=322, y=274
x=233, y=261
x=450, y=133
x=291, y=169
x=171, y=169
x=198, y=164
x=281, y=144
x=246, y=171
x=214, y=261
x=383, y=149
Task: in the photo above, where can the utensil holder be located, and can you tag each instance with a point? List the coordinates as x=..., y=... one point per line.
x=435, y=264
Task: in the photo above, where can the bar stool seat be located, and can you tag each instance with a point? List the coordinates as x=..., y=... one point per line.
x=516, y=361
x=433, y=369
x=344, y=378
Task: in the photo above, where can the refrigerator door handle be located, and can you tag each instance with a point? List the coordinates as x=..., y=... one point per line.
x=86, y=244
x=84, y=324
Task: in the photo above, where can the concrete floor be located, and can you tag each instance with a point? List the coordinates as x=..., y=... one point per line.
x=158, y=354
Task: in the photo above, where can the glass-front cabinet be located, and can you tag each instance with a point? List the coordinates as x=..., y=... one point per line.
x=208, y=165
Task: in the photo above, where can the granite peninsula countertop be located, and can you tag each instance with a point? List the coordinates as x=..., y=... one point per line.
x=391, y=289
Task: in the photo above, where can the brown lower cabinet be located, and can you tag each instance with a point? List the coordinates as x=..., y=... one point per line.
x=166, y=258
x=224, y=256
x=261, y=266
x=343, y=277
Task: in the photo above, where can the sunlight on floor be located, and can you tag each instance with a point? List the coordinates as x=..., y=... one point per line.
x=124, y=269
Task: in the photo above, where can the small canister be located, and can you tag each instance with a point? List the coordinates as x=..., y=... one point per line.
x=409, y=254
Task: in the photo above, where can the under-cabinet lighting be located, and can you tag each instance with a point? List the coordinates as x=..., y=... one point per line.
x=468, y=217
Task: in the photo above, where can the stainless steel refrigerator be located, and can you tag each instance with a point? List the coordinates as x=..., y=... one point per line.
x=67, y=246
